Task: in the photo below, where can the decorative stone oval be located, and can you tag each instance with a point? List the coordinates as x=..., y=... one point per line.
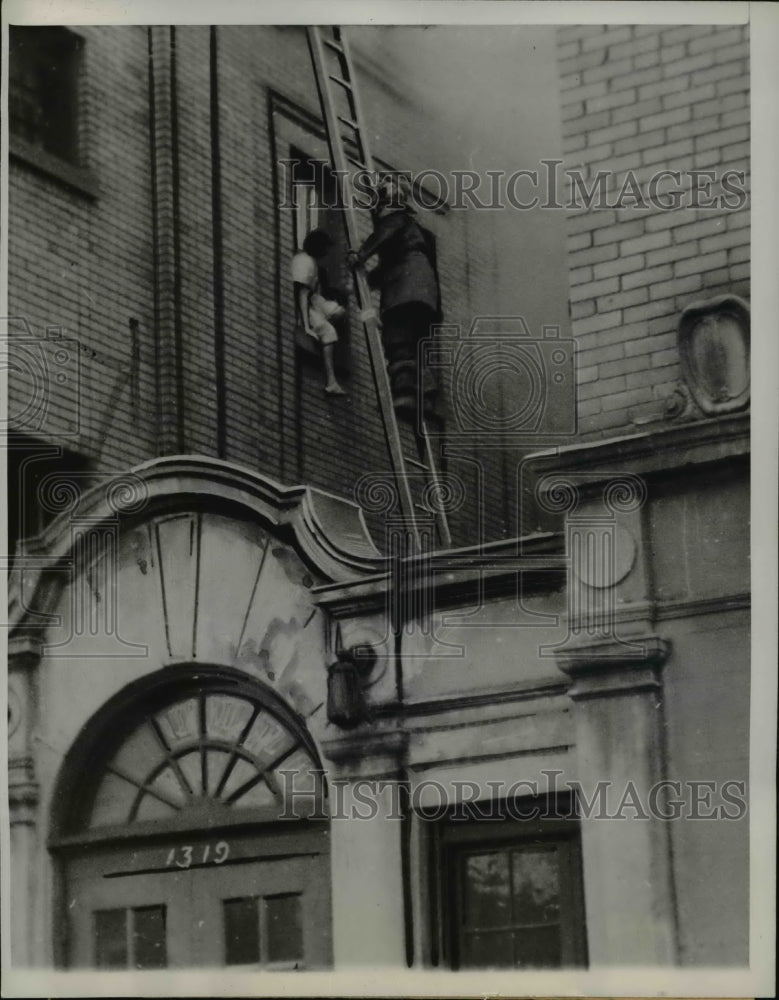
x=714, y=353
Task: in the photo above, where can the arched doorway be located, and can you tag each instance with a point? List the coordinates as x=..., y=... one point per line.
x=189, y=830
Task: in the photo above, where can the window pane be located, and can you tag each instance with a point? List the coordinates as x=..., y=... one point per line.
x=538, y=948
x=151, y=808
x=43, y=80
x=285, y=928
x=191, y=765
x=111, y=939
x=267, y=740
x=149, y=946
x=216, y=763
x=536, y=885
x=180, y=724
x=242, y=931
x=486, y=890
x=488, y=950
x=113, y=801
x=258, y=796
x=139, y=754
x=226, y=717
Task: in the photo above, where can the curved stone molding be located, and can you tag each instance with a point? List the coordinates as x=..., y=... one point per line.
x=328, y=531
x=713, y=341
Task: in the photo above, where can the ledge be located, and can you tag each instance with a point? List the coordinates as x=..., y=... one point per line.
x=651, y=452
x=492, y=569
x=76, y=178
x=368, y=751
x=612, y=667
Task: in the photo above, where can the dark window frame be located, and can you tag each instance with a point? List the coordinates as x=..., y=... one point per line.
x=320, y=179
x=454, y=840
x=51, y=58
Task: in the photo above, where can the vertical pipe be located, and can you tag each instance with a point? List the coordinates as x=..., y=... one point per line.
x=177, y=292
x=218, y=253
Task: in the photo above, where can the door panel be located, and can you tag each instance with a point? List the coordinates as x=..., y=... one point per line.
x=204, y=901
x=102, y=908
x=271, y=913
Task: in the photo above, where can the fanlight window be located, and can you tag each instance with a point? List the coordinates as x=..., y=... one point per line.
x=207, y=750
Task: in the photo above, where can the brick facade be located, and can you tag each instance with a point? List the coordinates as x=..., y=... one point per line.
x=642, y=99
x=183, y=130
x=144, y=249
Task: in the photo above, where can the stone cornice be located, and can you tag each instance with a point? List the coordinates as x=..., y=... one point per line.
x=454, y=575
x=611, y=667
x=652, y=452
x=329, y=532
x=369, y=751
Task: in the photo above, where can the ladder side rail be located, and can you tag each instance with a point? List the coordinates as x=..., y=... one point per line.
x=364, y=296
x=341, y=161
x=435, y=482
x=357, y=104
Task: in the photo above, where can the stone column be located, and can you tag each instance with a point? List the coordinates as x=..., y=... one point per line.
x=367, y=854
x=23, y=658
x=628, y=885
x=614, y=661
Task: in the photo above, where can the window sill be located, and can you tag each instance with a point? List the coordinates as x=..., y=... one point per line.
x=74, y=177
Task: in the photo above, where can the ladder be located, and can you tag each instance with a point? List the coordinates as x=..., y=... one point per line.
x=349, y=152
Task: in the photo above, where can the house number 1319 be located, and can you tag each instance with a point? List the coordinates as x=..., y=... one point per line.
x=186, y=855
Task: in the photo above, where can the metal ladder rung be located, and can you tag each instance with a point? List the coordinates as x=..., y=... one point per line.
x=348, y=121
x=341, y=82
x=346, y=135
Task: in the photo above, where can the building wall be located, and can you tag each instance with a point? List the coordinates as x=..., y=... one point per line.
x=149, y=248
x=646, y=98
x=179, y=133
x=702, y=590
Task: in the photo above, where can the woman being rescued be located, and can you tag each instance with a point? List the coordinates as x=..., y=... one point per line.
x=316, y=311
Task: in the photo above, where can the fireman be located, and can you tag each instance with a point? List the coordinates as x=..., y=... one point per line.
x=408, y=282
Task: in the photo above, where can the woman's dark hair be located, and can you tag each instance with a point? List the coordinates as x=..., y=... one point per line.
x=317, y=243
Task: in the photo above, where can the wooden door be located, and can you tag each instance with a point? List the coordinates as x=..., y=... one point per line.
x=206, y=900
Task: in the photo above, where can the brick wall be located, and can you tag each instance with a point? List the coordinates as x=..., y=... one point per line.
x=87, y=265
x=642, y=99
x=84, y=265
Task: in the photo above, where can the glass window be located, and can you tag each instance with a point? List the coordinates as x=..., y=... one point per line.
x=284, y=927
x=242, y=931
x=144, y=948
x=214, y=746
x=510, y=894
x=517, y=892
x=111, y=939
x=149, y=948
x=43, y=88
